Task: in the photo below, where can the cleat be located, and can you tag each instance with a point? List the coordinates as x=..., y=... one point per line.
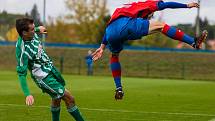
x=199, y=40
x=119, y=93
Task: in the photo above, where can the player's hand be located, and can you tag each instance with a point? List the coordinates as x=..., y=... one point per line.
x=193, y=5
x=99, y=52
x=42, y=30
x=29, y=100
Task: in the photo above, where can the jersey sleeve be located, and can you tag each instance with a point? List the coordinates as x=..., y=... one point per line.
x=22, y=66
x=24, y=86
x=22, y=61
x=163, y=5
x=36, y=29
x=104, y=40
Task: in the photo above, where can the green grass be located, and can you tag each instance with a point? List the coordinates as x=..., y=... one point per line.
x=145, y=100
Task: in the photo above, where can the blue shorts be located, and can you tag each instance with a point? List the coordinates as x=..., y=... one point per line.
x=123, y=29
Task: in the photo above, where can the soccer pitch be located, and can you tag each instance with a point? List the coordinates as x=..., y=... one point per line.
x=145, y=100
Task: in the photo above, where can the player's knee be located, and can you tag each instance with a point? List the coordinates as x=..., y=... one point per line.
x=115, y=54
x=156, y=26
x=71, y=100
x=56, y=102
x=68, y=98
x=160, y=24
x=163, y=24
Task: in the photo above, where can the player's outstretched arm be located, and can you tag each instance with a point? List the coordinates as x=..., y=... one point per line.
x=22, y=67
x=29, y=98
x=99, y=52
x=173, y=5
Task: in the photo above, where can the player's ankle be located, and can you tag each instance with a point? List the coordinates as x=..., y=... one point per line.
x=119, y=88
x=194, y=45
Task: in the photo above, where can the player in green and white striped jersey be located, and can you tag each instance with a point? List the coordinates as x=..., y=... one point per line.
x=31, y=55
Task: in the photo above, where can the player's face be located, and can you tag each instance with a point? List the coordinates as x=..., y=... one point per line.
x=28, y=35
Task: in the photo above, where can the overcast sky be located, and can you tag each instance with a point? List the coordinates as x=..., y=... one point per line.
x=56, y=8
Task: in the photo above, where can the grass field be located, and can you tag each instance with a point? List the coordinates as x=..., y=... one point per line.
x=145, y=100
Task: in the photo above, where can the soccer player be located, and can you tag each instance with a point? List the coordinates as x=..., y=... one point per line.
x=132, y=22
x=89, y=62
x=31, y=55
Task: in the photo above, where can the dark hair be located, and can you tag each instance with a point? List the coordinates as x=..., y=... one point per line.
x=22, y=24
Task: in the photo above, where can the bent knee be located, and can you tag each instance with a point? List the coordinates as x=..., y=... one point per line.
x=70, y=101
x=56, y=102
x=160, y=24
x=157, y=24
x=68, y=98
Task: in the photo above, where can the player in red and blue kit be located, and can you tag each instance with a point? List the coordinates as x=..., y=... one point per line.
x=132, y=22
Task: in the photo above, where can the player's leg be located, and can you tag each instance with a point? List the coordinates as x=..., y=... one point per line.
x=54, y=84
x=176, y=34
x=55, y=109
x=67, y=97
x=91, y=69
x=116, y=73
x=115, y=47
x=88, y=69
x=71, y=107
x=116, y=34
x=52, y=87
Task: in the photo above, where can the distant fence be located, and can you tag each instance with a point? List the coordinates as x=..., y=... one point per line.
x=143, y=62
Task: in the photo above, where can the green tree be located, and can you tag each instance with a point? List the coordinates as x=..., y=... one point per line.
x=59, y=31
x=35, y=15
x=7, y=22
x=89, y=18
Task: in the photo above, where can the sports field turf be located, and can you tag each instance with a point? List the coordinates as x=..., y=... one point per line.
x=145, y=100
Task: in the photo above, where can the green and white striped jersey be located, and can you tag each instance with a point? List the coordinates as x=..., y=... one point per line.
x=31, y=55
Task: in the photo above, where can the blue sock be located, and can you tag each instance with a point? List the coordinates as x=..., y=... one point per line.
x=116, y=70
x=177, y=34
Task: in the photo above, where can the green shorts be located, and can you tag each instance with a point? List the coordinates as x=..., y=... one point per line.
x=53, y=84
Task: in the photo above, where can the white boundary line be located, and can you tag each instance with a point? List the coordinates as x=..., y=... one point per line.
x=123, y=111
x=142, y=112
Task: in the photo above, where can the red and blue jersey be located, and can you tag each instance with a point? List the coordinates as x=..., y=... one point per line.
x=143, y=9
x=136, y=9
